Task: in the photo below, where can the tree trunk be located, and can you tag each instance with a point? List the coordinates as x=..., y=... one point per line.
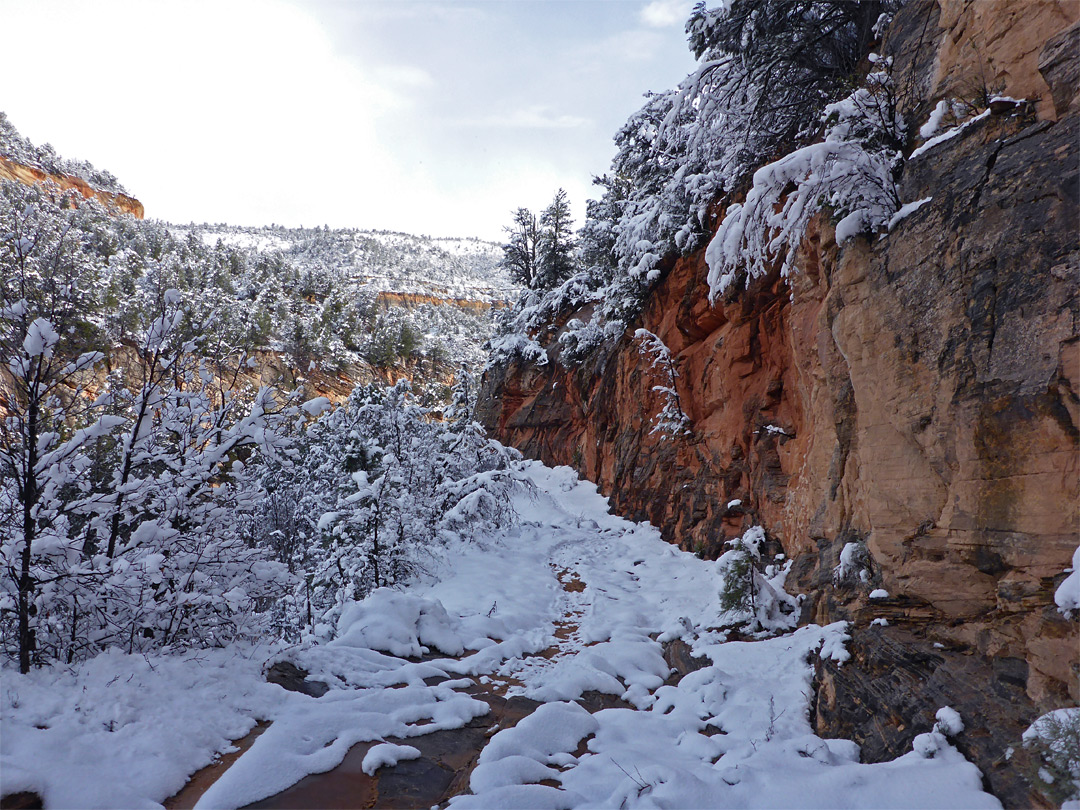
x=30, y=496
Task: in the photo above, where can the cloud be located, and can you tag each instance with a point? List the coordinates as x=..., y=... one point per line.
x=436, y=116
x=666, y=13
x=237, y=111
x=534, y=117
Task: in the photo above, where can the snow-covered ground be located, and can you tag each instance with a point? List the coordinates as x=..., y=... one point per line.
x=126, y=731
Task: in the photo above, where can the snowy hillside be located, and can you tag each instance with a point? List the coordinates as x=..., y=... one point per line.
x=383, y=260
x=572, y=602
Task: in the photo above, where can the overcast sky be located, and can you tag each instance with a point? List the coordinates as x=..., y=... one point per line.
x=425, y=117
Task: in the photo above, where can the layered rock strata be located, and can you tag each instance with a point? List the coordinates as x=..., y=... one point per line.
x=28, y=175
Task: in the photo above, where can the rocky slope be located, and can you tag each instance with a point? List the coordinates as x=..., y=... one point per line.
x=918, y=393
x=12, y=170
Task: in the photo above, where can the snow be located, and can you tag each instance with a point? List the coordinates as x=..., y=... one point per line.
x=947, y=135
x=40, y=339
x=949, y=722
x=1043, y=725
x=933, y=123
x=906, y=210
x=126, y=730
x=1067, y=595
x=316, y=406
x=879, y=593
x=852, y=559
x=387, y=754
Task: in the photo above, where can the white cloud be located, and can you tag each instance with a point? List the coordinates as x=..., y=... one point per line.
x=437, y=117
x=404, y=76
x=533, y=117
x=237, y=111
x=666, y=13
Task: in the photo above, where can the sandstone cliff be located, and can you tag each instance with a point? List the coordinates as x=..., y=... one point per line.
x=10, y=170
x=277, y=369
x=386, y=300
x=918, y=393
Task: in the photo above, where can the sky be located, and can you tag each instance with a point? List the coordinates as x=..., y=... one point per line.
x=434, y=117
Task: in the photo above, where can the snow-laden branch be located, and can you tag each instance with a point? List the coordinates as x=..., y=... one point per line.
x=671, y=420
x=852, y=172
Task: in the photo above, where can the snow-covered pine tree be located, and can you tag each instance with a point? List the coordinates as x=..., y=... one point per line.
x=557, y=244
x=47, y=295
x=521, y=251
x=177, y=569
x=853, y=170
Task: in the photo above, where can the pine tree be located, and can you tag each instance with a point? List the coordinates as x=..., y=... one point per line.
x=521, y=251
x=556, y=244
x=47, y=290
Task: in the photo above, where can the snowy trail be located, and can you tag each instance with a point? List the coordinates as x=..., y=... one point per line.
x=572, y=601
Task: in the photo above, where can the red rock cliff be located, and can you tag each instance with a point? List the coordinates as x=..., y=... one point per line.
x=918, y=392
x=10, y=170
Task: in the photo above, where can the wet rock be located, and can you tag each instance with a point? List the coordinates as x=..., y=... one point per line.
x=446, y=761
x=201, y=780
x=24, y=800
x=891, y=689
x=289, y=676
x=678, y=656
x=593, y=701
x=344, y=787
x=416, y=783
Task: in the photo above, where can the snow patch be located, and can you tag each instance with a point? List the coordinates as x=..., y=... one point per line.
x=387, y=754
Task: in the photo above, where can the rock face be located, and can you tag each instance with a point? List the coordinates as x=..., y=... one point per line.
x=888, y=693
x=10, y=170
x=386, y=300
x=918, y=393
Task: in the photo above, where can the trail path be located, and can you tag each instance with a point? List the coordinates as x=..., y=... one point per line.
x=540, y=678
x=528, y=670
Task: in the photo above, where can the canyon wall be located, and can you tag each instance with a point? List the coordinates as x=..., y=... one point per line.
x=28, y=175
x=917, y=392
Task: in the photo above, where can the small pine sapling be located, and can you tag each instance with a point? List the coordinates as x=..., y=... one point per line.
x=672, y=419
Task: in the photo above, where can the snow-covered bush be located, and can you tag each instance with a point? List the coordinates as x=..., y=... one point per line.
x=752, y=594
x=855, y=564
x=517, y=328
x=1052, y=747
x=377, y=487
x=121, y=498
x=671, y=420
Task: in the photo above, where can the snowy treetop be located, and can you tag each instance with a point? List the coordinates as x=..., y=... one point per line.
x=19, y=149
